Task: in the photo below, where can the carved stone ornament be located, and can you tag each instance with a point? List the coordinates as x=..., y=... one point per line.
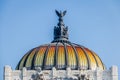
x=39, y=75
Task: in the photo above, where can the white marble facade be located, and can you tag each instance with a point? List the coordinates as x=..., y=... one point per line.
x=68, y=74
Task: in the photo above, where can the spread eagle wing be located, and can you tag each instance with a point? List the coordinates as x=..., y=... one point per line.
x=58, y=14
x=64, y=13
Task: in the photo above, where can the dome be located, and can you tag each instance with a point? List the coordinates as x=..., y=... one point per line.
x=61, y=53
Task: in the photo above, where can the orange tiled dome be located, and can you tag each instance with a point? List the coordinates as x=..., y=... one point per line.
x=61, y=53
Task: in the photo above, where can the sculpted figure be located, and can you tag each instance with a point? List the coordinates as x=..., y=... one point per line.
x=60, y=14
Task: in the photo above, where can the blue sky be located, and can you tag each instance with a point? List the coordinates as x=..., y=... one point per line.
x=25, y=24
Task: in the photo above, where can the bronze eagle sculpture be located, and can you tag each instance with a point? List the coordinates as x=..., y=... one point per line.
x=60, y=14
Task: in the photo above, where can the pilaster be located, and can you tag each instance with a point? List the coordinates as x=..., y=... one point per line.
x=68, y=72
x=24, y=74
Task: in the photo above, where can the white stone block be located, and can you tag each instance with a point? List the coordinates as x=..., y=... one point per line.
x=7, y=72
x=114, y=72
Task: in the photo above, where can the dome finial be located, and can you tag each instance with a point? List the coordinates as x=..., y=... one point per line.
x=60, y=31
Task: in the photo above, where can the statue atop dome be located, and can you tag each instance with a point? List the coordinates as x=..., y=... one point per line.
x=60, y=14
x=60, y=31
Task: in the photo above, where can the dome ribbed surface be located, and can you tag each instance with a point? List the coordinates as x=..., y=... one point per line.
x=61, y=55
